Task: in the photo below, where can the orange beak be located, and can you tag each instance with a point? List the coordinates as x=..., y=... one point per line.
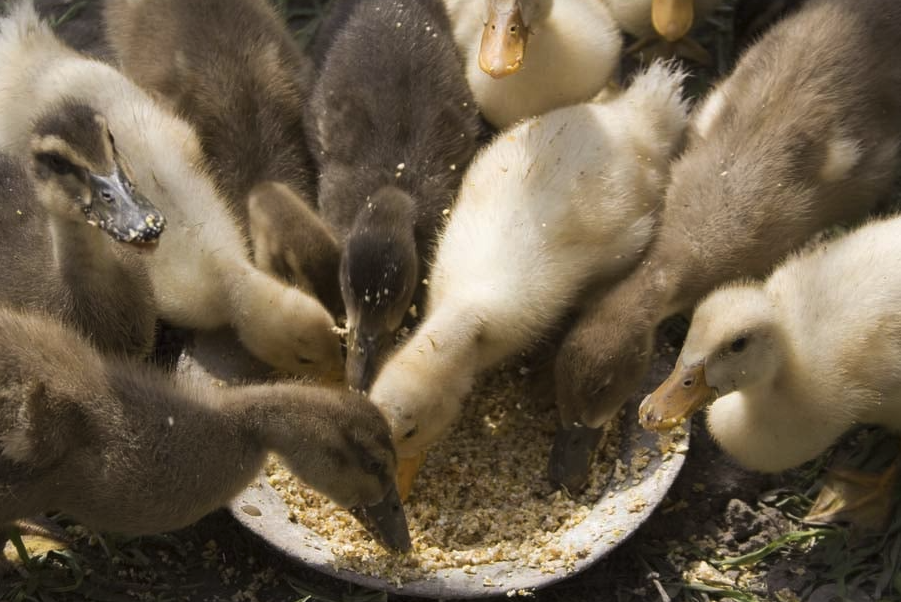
x=678, y=397
x=672, y=19
x=504, y=38
x=407, y=469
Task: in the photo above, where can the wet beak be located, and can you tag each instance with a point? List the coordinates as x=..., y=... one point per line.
x=681, y=395
x=672, y=19
x=572, y=455
x=122, y=212
x=386, y=522
x=363, y=355
x=504, y=38
x=407, y=469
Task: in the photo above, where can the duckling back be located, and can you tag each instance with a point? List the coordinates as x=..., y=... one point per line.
x=391, y=107
x=246, y=104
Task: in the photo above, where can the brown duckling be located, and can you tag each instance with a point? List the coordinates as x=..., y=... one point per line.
x=67, y=215
x=804, y=134
x=232, y=69
x=393, y=126
x=125, y=448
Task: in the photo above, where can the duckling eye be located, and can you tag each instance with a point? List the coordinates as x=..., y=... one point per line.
x=410, y=434
x=739, y=344
x=513, y=29
x=375, y=467
x=56, y=163
x=303, y=361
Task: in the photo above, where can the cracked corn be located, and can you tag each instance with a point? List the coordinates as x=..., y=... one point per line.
x=482, y=495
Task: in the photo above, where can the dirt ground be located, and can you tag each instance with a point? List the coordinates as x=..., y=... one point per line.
x=715, y=512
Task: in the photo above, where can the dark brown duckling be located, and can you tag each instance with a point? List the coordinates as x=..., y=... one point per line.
x=393, y=125
x=232, y=69
x=68, y=214
x=125, y=448
x=803, y=135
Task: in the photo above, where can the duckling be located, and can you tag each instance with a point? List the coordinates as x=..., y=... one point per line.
x=234, y=72
x=123, y=447
x=200, y=272
x=662, y=25
x=803, y=135
x=393, y=126
x=66, y=216
x=816, y=345
x=526, y=57
x=548, y=207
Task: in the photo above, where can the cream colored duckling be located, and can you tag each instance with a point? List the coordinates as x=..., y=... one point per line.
x=781, y=149
x=526, y=57
x=795, y=361
x=232, y=69
x=549, y=206
x=200, y=272
x=67, y=214
x=124, y=448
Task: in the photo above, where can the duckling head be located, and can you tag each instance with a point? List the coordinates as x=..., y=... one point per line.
x=351, y=461
x=379, y=272
x=733, y=345
x=80, y=176
x=593, y=378
x=504, y=38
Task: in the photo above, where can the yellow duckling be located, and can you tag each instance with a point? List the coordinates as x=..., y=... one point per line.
x=526, y=57
x=791, y=363
x=552, y=205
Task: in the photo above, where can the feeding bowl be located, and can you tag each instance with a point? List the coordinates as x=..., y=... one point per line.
x=616, y=515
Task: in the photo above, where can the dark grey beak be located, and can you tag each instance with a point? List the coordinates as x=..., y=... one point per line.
x=386, y=522
x=572, y=455
x=122, y=212
x=364, y=353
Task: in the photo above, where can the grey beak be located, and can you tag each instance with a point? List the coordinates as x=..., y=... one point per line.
x=363, y=357
x=572, y=455
x=386, y=522
x=122, y=212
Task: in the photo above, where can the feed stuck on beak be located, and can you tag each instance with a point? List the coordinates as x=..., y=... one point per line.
x=678, y=397
x=122, y=212
x=364, y=352
x=504, y=38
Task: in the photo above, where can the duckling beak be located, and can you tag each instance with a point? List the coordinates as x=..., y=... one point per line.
x=572, y=455
x=386, y=522
x=504, y=38
x=122, y=212
x=672, y=19
x=407, y=469
x=682, y=394
x=363, y=354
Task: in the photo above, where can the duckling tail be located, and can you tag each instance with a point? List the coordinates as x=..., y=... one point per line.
x=656, y=105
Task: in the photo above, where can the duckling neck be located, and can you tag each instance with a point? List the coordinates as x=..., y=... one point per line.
x=289, y=419
x=81, y=251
